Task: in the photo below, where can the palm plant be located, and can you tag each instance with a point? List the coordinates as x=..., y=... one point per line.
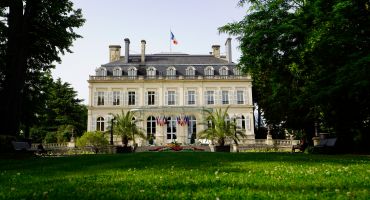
x=219, y=128
x=125, y=126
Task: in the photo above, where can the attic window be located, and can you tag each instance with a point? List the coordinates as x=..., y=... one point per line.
x=224, y=71
x=190, y=71
x=117, y=71
x=208, y=71
x=102, y=71
x=171, y=71
x=132, y=72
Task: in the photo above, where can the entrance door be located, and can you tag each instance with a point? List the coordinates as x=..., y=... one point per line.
x=171, y=129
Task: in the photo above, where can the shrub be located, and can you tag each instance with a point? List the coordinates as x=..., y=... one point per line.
x=96, y=140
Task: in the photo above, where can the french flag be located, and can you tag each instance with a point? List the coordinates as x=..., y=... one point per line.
x=174, y=41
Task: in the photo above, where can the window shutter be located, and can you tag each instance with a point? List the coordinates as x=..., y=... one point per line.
x=106, y=122
x=235, y=97
x=205, y=99
x=110, y=98
x=247, y=123
x=121, y=98
x=136, y=98
x=176, y=100
x=186, y=98
x=93, y=124
x=231, y=97
x=95, y=99
x=156, y=100
x=125, y=98
x=218, y=97
x=146, y=98
x=196, y=97
x=245, y=96
x=166, y=98
x=105, y=98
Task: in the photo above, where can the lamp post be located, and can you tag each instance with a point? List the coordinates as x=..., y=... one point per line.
x=111, y=131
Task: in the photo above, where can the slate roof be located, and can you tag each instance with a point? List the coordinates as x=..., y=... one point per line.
x=162, y=61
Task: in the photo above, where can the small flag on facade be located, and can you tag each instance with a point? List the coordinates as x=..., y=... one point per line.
x=174, y=41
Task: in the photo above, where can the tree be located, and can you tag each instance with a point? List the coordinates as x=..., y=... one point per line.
x=125, y=126
x=60, y=114
x=33, y=33
x=308, y=61
x=219, y=127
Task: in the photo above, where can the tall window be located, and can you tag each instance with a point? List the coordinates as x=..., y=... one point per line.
x=171, y=72
x=191, y=97
x=131, y=98
x=240, y=97
x=171, y=98
x=116, y=98
x=208, y=71
x=210, y=96
x=225, y=97
x=171, y=129
x=190, y=71
x=224, y=71
x=150, y=128
x=192, y=129
x=151, y=72
x=151, y=98
x=132, y=72
x=100, y=98
x=100, y=124
x=117, y=71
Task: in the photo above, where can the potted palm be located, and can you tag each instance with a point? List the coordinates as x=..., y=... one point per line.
x=220, y=129
x=125, y=126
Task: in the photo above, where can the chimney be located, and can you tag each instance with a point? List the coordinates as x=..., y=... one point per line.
x=229, y=57
x=114, y=52
x=127, y=49
x=143, y=51
x=216, y=51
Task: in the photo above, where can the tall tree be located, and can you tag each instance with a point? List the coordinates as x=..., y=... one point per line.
x=33, y=33
x=308, y=60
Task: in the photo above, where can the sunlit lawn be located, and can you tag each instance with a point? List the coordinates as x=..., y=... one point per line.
x=187, y=175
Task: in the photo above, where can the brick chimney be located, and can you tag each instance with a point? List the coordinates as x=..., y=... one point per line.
x=216, y=51
x=114, y=52
x=143, y=51
x=127, y=49
x=229, y=57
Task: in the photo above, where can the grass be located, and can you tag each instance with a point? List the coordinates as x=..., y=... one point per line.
x=187, y=175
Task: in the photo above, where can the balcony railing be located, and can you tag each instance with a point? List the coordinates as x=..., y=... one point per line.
x=159, y=77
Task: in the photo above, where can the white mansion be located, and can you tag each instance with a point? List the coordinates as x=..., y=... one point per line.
x=169, y=92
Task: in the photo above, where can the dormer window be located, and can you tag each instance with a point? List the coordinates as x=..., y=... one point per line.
x=209, y=71
x=132, y=72
x=151, y=72
x=190, y=71
x=224, y=71
x=101, y=71
x=171, y=71
x=117, y=71
x=237, y=71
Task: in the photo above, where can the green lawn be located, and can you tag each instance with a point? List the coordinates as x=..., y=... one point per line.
x=187, y=175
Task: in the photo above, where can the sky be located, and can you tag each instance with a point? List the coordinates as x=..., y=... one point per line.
x=193, y=22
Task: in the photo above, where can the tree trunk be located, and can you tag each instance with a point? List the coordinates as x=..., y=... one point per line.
x=15, y=69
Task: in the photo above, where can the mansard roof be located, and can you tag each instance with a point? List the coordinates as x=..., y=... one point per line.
x=170, y=59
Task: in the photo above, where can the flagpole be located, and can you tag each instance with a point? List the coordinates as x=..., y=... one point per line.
x=170, y=42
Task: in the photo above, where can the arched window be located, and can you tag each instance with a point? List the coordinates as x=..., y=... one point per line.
x=117, y=71
x=132, y=72
x=171, y=129
x=171, y=72
x=101, y=71
x=151, y=72
x=208, y=71
x=224, y=71
x=190, y=71
x=192, y=129
x=236, y=71
x=100, y=124
x=150, y=129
